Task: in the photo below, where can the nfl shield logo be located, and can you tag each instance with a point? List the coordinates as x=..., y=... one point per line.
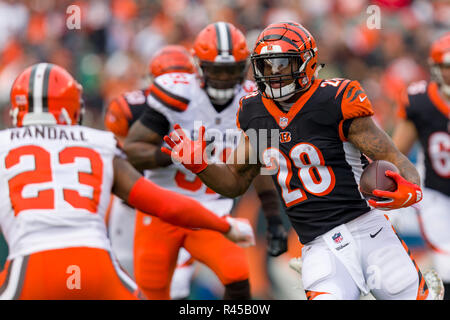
x=337, y=237
x=283, y=122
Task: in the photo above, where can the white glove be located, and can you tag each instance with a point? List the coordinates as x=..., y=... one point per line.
x=241, y=232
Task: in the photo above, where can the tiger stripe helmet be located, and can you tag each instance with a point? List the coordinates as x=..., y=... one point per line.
x=221, y=54
x=45, y=94
x=171, y=58
x=280, y=47
x=440, y=57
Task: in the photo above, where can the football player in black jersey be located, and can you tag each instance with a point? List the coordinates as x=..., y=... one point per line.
x=313, y=135
x=424, y=114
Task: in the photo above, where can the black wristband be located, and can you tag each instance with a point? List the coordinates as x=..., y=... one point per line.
x=270, y=203
x=274, y=220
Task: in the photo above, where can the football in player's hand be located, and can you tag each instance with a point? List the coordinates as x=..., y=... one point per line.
x=374, y=177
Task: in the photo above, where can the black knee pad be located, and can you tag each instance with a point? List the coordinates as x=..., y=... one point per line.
x=237, y=291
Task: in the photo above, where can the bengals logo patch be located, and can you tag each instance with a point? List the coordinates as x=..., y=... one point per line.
x=285, y=137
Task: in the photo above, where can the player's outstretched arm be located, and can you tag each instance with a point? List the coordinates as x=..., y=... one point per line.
x=174, y=208
x=229, y=179
x=142, y=146
x=377, y=145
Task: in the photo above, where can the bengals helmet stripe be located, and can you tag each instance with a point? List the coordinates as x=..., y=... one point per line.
x=303, y=30
x=279, y=37
x=289, y=43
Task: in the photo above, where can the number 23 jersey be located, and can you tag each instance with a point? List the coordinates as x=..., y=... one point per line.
x=318, y=169
x=55, y=187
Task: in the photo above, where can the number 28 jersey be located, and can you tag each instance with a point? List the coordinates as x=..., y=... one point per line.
x=318, y=169
x=55, y=186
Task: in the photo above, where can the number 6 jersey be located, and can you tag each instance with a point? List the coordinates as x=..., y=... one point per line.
x=55, y=187
x=318, y=169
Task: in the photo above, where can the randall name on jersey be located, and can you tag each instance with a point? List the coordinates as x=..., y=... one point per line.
x=46, y=132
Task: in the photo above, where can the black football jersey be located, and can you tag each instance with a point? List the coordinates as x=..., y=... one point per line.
x=318, y=170
x=430, y=114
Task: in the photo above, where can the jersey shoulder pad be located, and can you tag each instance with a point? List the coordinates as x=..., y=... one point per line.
x=249, y=86
x=354, y=101
x=412, y=98
x=173, y=91
x=248, y=105
x=103, y=140
x=117, y=116
x=416, y=88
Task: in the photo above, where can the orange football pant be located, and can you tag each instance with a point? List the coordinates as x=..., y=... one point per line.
x=79, y=273
x=156, y=246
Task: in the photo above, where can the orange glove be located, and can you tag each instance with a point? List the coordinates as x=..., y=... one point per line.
x=407, y=193
x=190, y=154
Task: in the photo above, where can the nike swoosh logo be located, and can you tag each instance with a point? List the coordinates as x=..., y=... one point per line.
x=362, y=98
x=375, y=234
x=409, y=198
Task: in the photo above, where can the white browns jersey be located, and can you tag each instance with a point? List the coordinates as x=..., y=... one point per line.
x=180, y=98
x=55, y=186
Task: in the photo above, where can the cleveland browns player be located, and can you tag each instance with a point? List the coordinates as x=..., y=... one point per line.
x=424, y=114
x=56, y=180
x=120, y=115
x=312, y=134
x=210, y=98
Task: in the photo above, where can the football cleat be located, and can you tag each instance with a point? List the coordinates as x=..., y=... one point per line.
x=434, y=284
x=296, y=264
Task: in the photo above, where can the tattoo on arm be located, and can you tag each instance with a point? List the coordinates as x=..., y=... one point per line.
x=377, y=145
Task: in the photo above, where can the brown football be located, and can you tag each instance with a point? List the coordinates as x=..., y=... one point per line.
x=373, y=177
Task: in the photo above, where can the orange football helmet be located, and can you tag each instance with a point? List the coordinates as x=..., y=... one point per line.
x=45, y=94
x=221, y=53
x=284, y=60
x=439, y=58
x=171, y=58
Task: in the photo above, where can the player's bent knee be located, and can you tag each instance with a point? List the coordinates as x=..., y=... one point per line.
x=152, y=275
x=392, y=270
x=238, y=270
x=317, y=267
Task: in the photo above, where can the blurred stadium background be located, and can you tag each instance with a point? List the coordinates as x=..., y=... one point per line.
x=110, y=52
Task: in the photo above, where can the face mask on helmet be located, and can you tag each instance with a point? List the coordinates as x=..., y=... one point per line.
x=221, y=79
x=441, y=74
x=280, y=75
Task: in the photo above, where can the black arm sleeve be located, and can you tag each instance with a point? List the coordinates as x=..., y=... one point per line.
x=155, y=121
